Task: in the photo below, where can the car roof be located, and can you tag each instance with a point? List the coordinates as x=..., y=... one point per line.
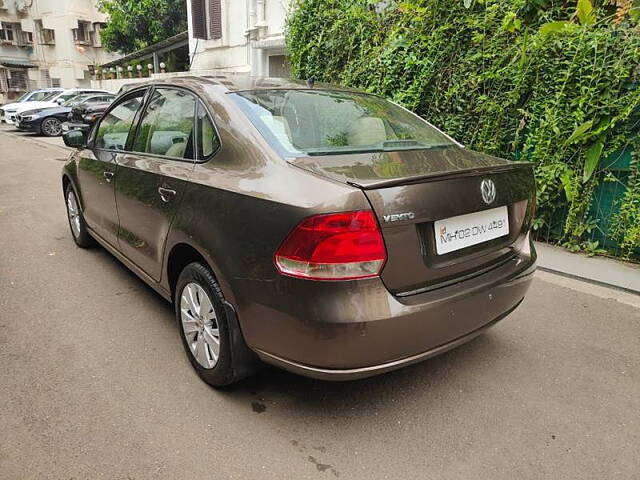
x=88, y=90
x=41, y=90
x=242, y=82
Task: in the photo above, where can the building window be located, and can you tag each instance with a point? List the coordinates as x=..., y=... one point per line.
x=215, y=19
x=26, y=38
x=4, y=81
x=46, y=36
x=12, y=33
x=199, y=18
x=56, y=83
x=206, y=19
x=7, y=32
x=18, y=80
x=82, y=34
x=279, y=66
x=45, y=78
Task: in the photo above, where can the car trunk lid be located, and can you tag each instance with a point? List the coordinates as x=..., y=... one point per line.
x=413, y=192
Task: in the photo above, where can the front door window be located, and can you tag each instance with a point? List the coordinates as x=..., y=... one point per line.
x=114, y=128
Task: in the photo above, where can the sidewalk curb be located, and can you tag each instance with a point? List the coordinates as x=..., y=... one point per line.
x=588, y=280
x=603, y=271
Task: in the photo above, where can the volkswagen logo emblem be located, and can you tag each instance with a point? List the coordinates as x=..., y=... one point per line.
x=488, y=190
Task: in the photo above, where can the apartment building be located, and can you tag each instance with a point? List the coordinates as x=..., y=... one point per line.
x=238, y=36
x=48, y=43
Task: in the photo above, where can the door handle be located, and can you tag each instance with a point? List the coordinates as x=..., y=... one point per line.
x=108, y=176
x=166, y=194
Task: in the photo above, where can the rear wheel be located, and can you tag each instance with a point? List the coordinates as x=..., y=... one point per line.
x=209, y=336
x=51, y=127
x=76, y=220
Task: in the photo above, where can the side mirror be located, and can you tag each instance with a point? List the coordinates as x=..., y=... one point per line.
x=75, y=139
x=60, y=101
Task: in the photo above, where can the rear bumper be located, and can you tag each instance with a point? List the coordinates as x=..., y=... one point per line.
x=364, y=372
x=356, y=331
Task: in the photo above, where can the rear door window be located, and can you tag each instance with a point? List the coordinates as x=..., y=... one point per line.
x=167, y=126
x=113, y=131
x=66, y=97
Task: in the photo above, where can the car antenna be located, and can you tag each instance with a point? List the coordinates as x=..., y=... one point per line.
x=311, y=82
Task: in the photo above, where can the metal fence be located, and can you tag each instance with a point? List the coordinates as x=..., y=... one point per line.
x=613, y=179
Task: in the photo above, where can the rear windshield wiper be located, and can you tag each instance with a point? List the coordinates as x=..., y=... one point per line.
x=401, y=143
x=411, y=145
x=388, y=146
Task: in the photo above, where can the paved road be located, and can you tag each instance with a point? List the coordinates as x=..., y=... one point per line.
x=94, y=382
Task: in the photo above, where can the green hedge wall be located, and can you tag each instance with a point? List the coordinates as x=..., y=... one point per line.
x=546, y=81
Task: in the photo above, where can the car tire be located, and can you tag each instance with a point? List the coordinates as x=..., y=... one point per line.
x=78, y=226
x=199, y=319
x=51, y=127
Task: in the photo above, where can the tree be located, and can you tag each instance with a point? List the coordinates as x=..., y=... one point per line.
x=136, y=24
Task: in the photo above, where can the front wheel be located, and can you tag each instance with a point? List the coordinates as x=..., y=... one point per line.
x=209, y=337
x=51, y=127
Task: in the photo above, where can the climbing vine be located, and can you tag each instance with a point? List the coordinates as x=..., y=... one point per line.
x=551, y=82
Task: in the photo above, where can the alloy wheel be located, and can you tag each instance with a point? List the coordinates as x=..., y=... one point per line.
x=74, y=213
x=200, y=325
x=51, y=127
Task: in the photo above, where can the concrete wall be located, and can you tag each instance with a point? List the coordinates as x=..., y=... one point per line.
x=114, y=85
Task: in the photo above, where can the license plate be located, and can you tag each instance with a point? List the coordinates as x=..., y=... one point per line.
x=463, y=231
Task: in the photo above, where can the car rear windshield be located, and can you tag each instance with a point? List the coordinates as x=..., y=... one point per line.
x=75, y=100
x=66, y=97
x=324, y=122
x=37, y=96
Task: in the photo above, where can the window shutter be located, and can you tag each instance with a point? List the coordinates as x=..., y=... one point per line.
x=215, y=20
x=199, y=18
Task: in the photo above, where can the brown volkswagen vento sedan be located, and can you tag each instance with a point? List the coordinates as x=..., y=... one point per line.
x=323, y=230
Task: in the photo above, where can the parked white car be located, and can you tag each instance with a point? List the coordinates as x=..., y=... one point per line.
x=39, y=95
x=10, y=111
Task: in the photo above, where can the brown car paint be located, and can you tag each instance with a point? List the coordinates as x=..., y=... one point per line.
x=236, y=208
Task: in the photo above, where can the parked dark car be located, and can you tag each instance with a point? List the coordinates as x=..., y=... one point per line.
x=48, y=121
x=84, y=115
x=323, y=230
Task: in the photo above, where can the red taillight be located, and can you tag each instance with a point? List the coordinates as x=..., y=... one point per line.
x=337, y=246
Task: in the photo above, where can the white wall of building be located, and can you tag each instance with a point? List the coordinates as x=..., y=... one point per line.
x=65, y=61
x=252, y=32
